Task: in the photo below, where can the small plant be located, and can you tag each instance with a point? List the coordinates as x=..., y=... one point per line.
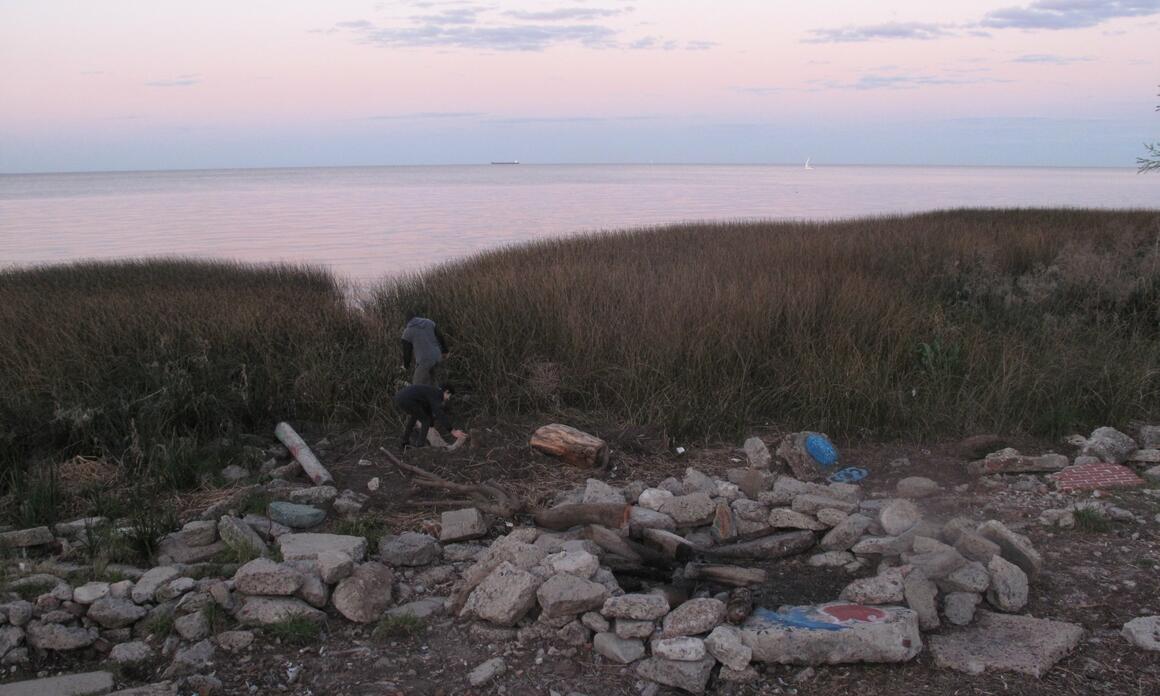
x=146, y=528
x=216, y=617
x=29, y=591
x=296, y=630
x=1091, y=520
x=405, y=626
x=372, y=528
x=160, y=625
x=256, y=503
x=1146, y=562
x=240, y=554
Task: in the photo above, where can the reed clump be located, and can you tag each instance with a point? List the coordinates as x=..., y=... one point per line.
x=924, y=325
x=147, y=370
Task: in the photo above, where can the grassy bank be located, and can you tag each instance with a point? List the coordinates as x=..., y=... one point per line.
x=942, y=323
x=939, y=324
x=146, y=371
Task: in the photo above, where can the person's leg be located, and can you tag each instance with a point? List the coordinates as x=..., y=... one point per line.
x=424, y=425
x=423, y=374
x=406, y=438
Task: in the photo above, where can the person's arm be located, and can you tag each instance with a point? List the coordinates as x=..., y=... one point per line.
x=408, y=353
x=442, y=341
x=442, y=422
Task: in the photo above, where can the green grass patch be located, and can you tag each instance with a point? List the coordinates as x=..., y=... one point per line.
x=160, y=625
x=370, y=527
x=29, y=591
x=1091, y=520
x=297, y=630
x=238, y=555
x=405, y=626
x=1146, y=562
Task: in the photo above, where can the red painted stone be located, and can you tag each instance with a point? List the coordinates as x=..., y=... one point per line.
x=855, y=612
x=1096, y=476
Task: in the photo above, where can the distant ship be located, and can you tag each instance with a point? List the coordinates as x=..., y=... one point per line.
x=508, y=162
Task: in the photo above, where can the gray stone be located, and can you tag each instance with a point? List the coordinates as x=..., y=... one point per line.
x=115, y=613
x=597, y=491
x=921, y=595
x=643, y=518
x=751, y=481
x=697, y=482
x=846, y=533
x=831, y=517
x=1143, y=632
x=190, y=660
x=1008, y=590
x=420, y=608
x=504, y=596
x=58, y=637
x=192, y=627
x=1009, y=461
x=1149, y=436
x=80, y=528
x=873, y=634
x=85, y=684
x=174, y=588
x=749, y=675
x=234, y=473
x=757, y=454
x=785, y=518
x=938, y=564
x=241, y=537
x=830, y=559
x=90, y=592
x=263, y=576
x=976, y=548
x=681, y=648
x=461, y=525
x=619, y=650
x=689, y=676
x=725, y=644
x=810, y=504
x=19, y=612
x=487, y=671
x=16, y=656
x=314, y=495
x=653, y=498
x=234, y=641
x=786, y=488
x=580, y=563
x=631, y=628
x=898, y=516
x=693, y=617
x=171, y=550
x=409, y=549
x=266, y=528
x=1014, y=547
x=133, y=653
x=121, y=590
x=365, y=595
x=917, y=487
x=972, y=577
x=568, y=595
x=266, y=611
x=333, y=566
x=750, y=510
x=885, y=588
x=24, y=538
x=350, y=503
x=1005, y=643
x=640, y=607
x=596, y=623
x=10, y=637
x=1152, y=475
x=307, y=546
x=574, y=633
x=148, y=584
x=294, y=515
x=1109, y=445
x=959, y=607
x=691, y=510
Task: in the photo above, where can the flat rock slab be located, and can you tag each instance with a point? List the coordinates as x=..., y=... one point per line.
x=86, y=684
x=1100, y=476
x=307, y=546
x=832, y=633
x=1006, y=643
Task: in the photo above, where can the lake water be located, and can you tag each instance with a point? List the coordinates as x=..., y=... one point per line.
x=370, y=222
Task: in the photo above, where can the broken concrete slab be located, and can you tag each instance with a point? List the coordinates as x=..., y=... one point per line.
x=307, y=546
x=1010, y=461
x=1005, y=643
x=84, y=684
x=832, y=633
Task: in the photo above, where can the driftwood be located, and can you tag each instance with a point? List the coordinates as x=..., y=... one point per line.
x=734, y=576
x=486, y=496
x=561, y=517
x=302, y=454
x=773, y=546
x=617, y=545
x=571, y=445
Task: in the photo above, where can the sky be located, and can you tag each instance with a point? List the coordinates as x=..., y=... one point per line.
x=161, y=84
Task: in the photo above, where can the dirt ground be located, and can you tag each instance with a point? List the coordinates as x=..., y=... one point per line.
x=1097, y=579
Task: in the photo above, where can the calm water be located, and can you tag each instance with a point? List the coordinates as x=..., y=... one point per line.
x=366, y=223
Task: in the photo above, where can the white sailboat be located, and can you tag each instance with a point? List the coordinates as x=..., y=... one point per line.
x=808, y=163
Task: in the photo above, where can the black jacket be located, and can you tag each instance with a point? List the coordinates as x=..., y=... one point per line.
x=421, y=401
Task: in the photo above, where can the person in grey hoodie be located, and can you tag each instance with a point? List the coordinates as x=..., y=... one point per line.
x=424, y=344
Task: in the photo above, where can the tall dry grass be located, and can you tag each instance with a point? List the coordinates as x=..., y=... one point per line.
x=941, y=323
x=148, y=365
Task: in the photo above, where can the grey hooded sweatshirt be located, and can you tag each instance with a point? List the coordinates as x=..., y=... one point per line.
x=423, y=342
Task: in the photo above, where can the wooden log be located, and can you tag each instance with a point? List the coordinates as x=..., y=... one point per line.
x=734, y=576
x=773, y=546
x=561, y=517
x=617, y=545
x=302, y=454
x=571, y=445
x=672, y=545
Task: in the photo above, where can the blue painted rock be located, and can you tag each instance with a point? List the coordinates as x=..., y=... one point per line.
x=821, y=449
x=295, y=516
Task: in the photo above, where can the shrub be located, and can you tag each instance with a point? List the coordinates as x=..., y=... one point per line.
x=296, y=630
x=404, y=626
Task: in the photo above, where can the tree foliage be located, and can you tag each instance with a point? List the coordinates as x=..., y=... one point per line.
x=1152, y=160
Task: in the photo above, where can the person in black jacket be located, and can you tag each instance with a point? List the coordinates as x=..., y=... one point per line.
x=424, y=405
